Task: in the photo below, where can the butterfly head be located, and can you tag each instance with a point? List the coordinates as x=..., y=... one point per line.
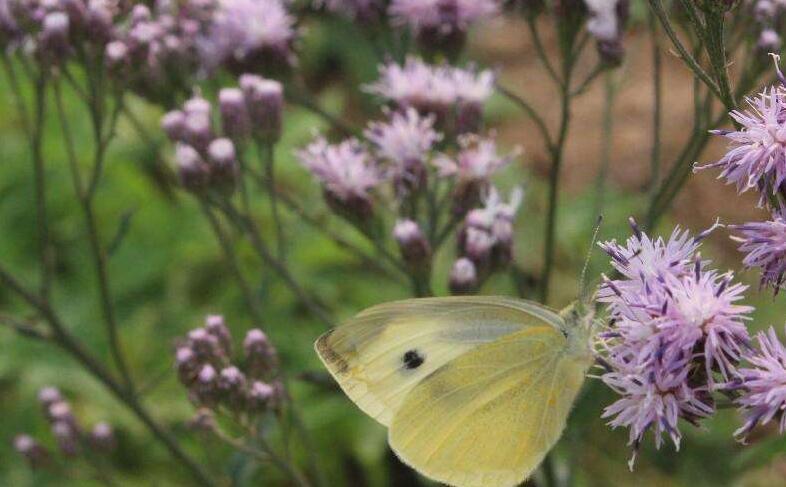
x=579, y=318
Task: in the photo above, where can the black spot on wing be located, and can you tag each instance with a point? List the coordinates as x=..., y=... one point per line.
x=413, y=359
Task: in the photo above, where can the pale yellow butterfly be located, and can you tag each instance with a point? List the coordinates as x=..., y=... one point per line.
x=474, y=390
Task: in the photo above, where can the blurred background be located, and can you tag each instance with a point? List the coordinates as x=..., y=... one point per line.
x=168, y=272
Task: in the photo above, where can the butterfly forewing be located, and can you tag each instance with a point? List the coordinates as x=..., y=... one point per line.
x=385, y=351
x=489, y=416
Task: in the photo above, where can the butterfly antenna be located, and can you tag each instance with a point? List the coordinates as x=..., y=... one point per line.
x=583, y=281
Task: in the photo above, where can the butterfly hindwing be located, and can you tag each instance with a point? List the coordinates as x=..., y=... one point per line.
x=489, y=416
x=384, y=352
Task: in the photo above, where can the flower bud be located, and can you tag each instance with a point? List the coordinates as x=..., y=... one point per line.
x=216, y=326
x=463, y=277
x=232, y=386
x=197, y=129
x=223, y=163
x=192, y=171
x=140, y=13
x=66, y=437
x=76, y=11
x=477, y=244
x=265, y=102
x=413, y=245
x=260, y=396
x=205, y=388
x=187, y=365
x=102, y=437
x=260, y=354
x=54, y=39
x=116, y=53
x=203, y=420
x=99, y=21
x=197, y=106
x=205, y=345
x=769, y=41
x=60, y=412
x=174, y=125
x=234, y=114
x=32, y=451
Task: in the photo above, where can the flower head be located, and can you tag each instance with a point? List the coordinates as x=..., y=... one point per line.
x=405, y=139
x=765, y=246
x=763, y=384
x=756, y=158
x=477, y=160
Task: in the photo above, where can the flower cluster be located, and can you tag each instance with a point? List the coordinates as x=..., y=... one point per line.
x=485, y=241
x=676, y=334
x=206, y=160
x=205, y=367
x=756, y=160
x=249, y=35
x=456, y=96
x=606, y=24
x=71, y=438
x=53, y=29
x=362, y=10
x=155, y=52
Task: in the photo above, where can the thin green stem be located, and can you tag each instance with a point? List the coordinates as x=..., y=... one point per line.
x=541, y=51
x=269, y=161
x=606, y=142
x=531, y=113
x=657, y=95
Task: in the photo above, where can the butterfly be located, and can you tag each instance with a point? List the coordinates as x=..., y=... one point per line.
x=474, y=391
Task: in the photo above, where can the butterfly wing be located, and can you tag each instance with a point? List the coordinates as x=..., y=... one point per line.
x=384, y=352
x=489, y=416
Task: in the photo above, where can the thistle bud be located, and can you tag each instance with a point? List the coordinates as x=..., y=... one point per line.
x=205, y=388
x=216, y=326
x=413, y=245
x=140, y=13
x=197, y=129
x=260, y=396
x=60, y=412
x=76, y=11
x=769, y=41
x=102, y=437
x=223, y=163
x=232, y=385
x=463, y=277
x=173, y=124
x=187, y=365
x=99, y=21
x=477, y=244
x=234, y=114
x=116, y=53
x=32, y=451
x=203, y=420
x=66, y=437
x=205, y=345
x=260, y=354
x=54, y=41
x=192, y=171
x=265, y=102
x=197, y=105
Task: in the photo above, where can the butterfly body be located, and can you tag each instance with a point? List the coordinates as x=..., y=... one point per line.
x=474, y=390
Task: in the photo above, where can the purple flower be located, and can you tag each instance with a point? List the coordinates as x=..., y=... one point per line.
x=487, y=235
x=675, y=325
x=246, y=32
x=406, y=138
x=444, y=16
x=757, y=154
x=477, y=160
x=763, y=385
x=364, y=10
x=345, y=170
x=765, y=246
x=432, y=89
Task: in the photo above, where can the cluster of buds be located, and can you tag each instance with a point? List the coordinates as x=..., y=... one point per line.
x=676, y=334
x=414, y=247
x=767, y=14
x=606, y=23
x=205, y=367
x=55, y=28
x=364, y=11
x=455, y=96
x=155, y=52
x=485, y=242
x=71, y=438
x=206, y=160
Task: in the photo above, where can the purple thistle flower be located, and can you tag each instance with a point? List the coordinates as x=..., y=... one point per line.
x=757, y=153
x=674, y=325
x=765, y=246
x=763, y=385
x=477, y=160
x=432, y=89
x=346, y=172
x=245, y=32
